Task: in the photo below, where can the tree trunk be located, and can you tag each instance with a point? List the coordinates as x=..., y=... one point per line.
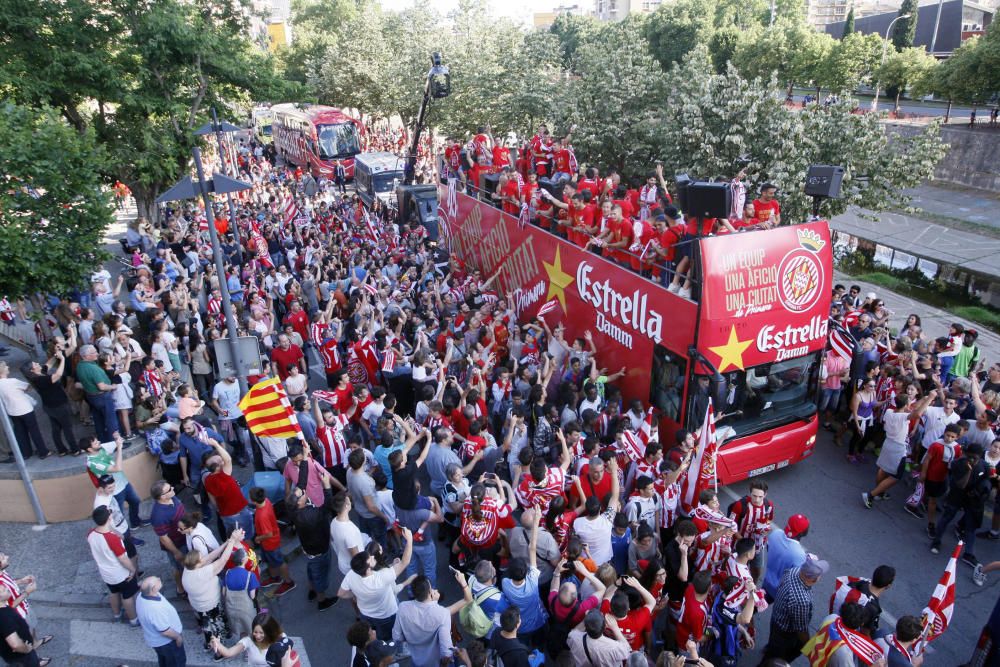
x=895, y=109
x=947, y=113
x=818, y=88
x=145, y=202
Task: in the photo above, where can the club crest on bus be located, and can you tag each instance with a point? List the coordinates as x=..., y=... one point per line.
x=800, y=275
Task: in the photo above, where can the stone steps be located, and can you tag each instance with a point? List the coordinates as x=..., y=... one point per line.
x=107, y=644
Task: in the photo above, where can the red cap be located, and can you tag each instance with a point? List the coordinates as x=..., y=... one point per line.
x=797, y=524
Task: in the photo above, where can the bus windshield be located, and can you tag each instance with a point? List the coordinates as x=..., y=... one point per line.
x=385, y=182
x=762, y=397
x=265, y=130
x=340, y=140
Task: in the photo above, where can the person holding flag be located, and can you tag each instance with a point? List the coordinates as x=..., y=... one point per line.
x=841, y=642
x=702, y=472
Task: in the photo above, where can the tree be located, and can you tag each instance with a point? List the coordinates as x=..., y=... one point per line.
x=675, y=28
x=852, y=62
x=725, y=43
x=614, y=100
x=319, y=26
x=142, y=74
x=911, y=66
x=849, y=23
x=905, y=30
x=571, y=30
x=53, y=211
x=711, y=121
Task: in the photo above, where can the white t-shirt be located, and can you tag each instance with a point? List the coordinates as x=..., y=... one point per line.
x=15, y=401
x=375, y=594
x=343, y=536
x=228, y=397
x=202, y=586
x=118, y=520
x=105, y=548
x=596, y=535
x=897, y=426
x=934, y=422
x=254, y=656
x=202, y=540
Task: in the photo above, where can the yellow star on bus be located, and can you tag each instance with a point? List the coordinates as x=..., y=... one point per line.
x=731, y=354
x=559, y=280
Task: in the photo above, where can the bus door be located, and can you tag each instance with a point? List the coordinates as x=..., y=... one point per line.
x=667, y=379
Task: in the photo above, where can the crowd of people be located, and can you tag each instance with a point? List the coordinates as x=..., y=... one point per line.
x=446, y=429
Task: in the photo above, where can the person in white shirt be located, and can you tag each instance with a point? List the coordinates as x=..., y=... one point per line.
x=113, y=565
x=20, y=407
x=374, y=591
x=346, y=539
x=891, y=459
x=594, y=528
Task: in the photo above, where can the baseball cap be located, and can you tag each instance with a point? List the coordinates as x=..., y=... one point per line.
x=106, y=480
x=814, y=567
x=379, y=650
x=796, y=525
x=871, y=295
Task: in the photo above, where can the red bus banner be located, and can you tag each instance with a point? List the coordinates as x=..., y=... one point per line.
x=760, y=319
x=766, y=295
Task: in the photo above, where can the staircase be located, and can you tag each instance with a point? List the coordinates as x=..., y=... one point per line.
x=85, y=635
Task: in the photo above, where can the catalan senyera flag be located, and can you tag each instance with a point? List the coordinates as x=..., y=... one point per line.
x=268, y=411
x=938, y=612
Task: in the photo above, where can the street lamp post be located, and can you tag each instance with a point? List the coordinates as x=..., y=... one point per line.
x=220, y=183
x=885, y=49
x=218, y=127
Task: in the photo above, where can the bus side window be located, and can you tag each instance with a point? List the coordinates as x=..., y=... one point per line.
x=667, y=382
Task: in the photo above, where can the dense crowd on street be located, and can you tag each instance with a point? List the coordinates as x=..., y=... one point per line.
x=442, y=437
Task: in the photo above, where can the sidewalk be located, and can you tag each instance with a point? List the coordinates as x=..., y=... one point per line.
x=970, y=205
x=932, y=240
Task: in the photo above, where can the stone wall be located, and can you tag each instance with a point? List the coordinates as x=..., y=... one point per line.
x=973, y=158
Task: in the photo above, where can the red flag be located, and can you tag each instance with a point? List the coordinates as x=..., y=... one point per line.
x=842, y=344
x=938, y=612
x=326, y=396
x=646, y=428
x=368, y=287
x=388, y=361
x=289, y=210
x=547, y=307
x=269, y=412
x=851, y=318
x=702, y=472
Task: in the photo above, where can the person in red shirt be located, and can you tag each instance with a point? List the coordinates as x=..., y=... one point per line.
x=766, y=207
x=298, y=319
x=621, y=199
x=268, y=537
x=453, y=158
x=635, y=624
x=541, y=150
x=501, y=156
x=562, y=169
x=225, y=493
x=589, y=182
x=344, y=391
x=595, y=480
x=286, y=354
x=641, y=247
x=694, y=610
x=508, y=193
x=621, y=235
x=934, y=471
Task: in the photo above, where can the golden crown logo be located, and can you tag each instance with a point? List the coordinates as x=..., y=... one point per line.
x=810, y=240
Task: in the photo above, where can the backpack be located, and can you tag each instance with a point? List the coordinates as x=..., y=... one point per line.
x=155, y=439
x=473, y=619
x=558, y=632
x=738, y=508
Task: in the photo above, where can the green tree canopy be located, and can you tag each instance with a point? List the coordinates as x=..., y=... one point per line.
x=53, y=210
x=908, y=67
x=905, y=30
x=143, y=74
x=711, y=121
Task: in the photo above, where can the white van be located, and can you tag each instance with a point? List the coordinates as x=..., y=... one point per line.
x=377, y=175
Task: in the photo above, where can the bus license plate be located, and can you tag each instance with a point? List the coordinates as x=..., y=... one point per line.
x=769, y=468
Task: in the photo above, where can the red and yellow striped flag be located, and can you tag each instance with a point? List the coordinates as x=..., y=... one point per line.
x=268, y=411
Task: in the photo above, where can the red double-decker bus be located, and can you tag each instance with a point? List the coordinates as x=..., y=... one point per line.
x=752, y=341
x=316, y=137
